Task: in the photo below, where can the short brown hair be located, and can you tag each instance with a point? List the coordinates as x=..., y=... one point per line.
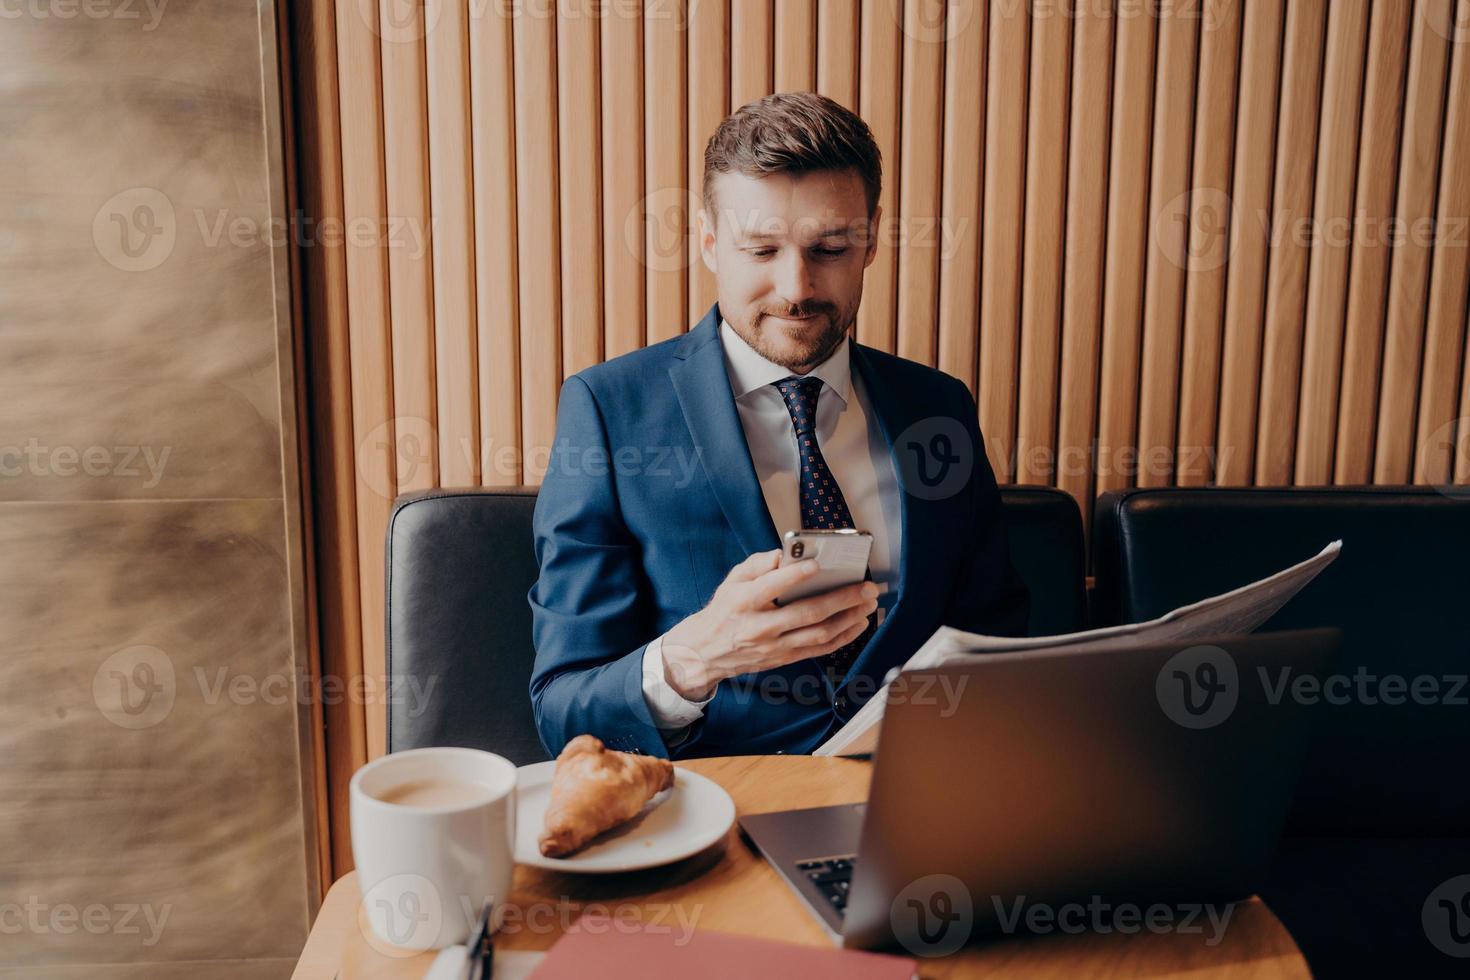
x=793, y=133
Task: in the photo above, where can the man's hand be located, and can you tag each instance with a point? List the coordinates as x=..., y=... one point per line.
x=742, y=630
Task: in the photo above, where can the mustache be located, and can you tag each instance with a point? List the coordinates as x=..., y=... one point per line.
x=799, y=312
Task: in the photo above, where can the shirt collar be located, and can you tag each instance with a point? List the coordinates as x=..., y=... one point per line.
x=749, y=371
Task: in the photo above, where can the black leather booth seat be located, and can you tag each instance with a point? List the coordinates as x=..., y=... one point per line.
x=460, y=565
x=1382, y=813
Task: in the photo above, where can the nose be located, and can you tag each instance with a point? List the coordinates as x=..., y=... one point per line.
x=793, y=282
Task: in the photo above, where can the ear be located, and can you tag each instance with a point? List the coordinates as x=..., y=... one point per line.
x=707, y=232
x=873, y=227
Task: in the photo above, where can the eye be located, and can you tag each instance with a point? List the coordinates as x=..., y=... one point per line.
x=761, y=252
x=831, y=252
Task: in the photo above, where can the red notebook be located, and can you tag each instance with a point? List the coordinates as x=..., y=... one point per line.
x=612, y=949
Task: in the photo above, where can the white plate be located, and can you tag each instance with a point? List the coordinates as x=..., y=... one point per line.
x=676, y=823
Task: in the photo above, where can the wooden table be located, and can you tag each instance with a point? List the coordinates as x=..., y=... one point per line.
x=732, y=889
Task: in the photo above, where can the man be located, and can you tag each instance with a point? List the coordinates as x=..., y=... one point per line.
x=677, y=467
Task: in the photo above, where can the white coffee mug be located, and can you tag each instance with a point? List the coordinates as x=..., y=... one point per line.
x=426, y=869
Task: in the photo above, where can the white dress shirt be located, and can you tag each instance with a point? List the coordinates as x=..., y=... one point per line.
x=852, y=444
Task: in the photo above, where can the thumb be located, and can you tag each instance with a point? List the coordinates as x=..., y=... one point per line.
x=754, y=566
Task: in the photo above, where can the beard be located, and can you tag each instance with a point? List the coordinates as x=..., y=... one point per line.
x=794, y=351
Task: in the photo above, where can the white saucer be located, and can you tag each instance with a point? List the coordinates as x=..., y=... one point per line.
x=676, y=823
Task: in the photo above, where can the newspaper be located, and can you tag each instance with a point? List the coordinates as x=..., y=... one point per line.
x=1237, y=611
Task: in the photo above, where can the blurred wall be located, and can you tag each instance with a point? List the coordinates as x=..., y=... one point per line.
x=156, y=818
x=1163, y=241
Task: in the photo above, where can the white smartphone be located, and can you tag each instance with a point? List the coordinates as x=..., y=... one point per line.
x=842, y=555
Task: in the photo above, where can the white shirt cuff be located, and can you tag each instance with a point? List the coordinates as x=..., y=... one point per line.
x=671, y=710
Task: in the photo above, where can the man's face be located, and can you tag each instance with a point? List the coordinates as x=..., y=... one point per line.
x=788, y=254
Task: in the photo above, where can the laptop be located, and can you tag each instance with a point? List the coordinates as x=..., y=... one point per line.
x=1161, y=774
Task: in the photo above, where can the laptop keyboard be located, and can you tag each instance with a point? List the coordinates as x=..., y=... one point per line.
x=832, y=876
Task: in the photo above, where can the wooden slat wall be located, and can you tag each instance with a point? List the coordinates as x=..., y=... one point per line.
x=1204, y=241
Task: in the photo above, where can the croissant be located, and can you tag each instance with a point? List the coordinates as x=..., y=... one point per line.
x=595, y=789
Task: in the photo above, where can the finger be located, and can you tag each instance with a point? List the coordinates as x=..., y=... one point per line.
x=754, y=565
x=830, y=633
x=815, y=609
x=772, y=583
x=836, y=643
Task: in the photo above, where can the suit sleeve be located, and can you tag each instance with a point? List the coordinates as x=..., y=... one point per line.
x=591, y=609
x=989, y=596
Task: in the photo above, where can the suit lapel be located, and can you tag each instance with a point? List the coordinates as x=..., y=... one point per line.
x=895, y=413
x=702, y=386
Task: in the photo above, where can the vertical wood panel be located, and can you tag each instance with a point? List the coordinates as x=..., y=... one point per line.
x=497, y=293
x=1163, y=298
x=1409, y=276
x=1444, y=344
x=1007, y=66
x=709, y=102
x=1133, y=77
x=451, y=197
x=407, y=233
x=1245, y=291
x=1383, y=97
x=1337, y=172
x=579, y=140
x=665, y=144
x=964, y=122
x=333, y=547
x=796, y=57
x=1086, y=261
x=1291, y=212
x=537, y=248
x=1046, y=204
x=752, y=51
x=1206, y=254
x=359, y=75
x=623, y=238
x=837, y=51
x=920, y=238
x=879, y=96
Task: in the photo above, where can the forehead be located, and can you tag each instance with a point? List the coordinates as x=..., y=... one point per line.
x=778, y=205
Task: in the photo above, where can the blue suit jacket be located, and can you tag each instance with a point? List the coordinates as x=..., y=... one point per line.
x=649, y=500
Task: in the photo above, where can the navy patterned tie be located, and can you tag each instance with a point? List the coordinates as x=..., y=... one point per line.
x=822, y=505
